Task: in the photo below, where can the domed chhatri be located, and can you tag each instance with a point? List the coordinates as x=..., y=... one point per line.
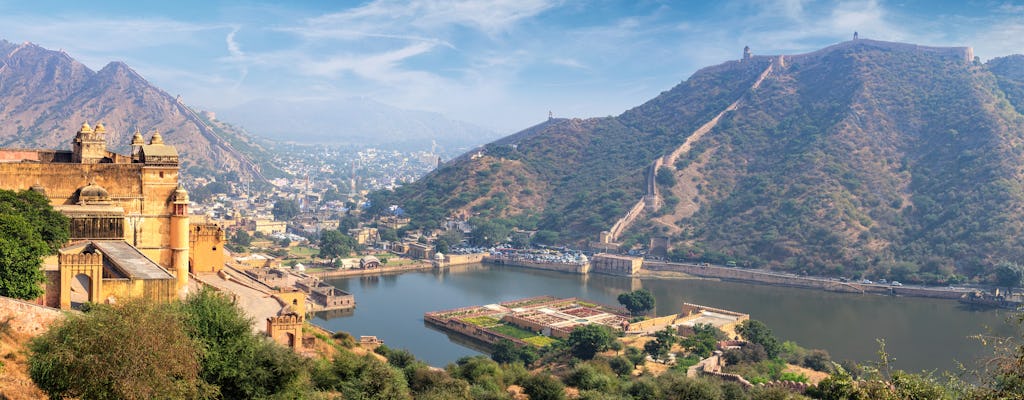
x=157, y=138
x=180, y=194
x=92, y=194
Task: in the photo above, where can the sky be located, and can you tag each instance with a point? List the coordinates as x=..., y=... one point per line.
x=500, y=64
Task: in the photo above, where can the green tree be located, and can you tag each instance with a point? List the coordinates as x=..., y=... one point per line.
x=638, y=302
x=35, y=208
x=137, y=350
x=546, y=237
x=587, y=340
x=488, y=233
x=621, y=365
x=240, y=363
x=543, y=387
x=757, y=332
x=665, y=177
x=662, y=343
x=21, y=252
x=241, y=238
x=285, y=209
x=505, y=352
x=1009, y=274
x=335, y=244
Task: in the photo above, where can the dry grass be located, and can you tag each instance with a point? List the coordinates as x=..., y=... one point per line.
x=15, y=383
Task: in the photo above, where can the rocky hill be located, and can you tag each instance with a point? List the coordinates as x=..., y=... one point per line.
x=45, y=96
x=863, y=158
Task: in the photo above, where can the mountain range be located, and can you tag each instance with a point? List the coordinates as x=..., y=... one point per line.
x=865, y=158
x=46, y=95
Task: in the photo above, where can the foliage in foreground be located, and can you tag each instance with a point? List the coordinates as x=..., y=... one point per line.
x=204, y=348
x=29, y=230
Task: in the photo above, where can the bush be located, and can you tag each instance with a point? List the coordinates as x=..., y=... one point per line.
x=543, y=387
x=154, y=358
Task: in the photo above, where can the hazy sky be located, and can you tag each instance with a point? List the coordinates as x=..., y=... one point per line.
x=501, y=64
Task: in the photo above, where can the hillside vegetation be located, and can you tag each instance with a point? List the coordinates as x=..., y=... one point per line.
x=865, y=158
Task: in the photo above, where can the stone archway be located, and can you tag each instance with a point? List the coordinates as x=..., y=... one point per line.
x=81, y=290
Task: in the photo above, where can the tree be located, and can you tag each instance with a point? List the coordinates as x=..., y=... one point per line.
x=241, y=364
x=21, y=252
x=335, y=244
x=29, y=230
x=587, y=340
x=662, y=343
x=35, y=208
x=488, y=233
x=285, y=209
x=506, y=352
x=546, y=237
x=1009, y=274
x=638, y=302
x=757, y=332
x=241, y=238
x=665, y=177
x=447, y=240
x=137, y=350
x=543, y=387
x=621, y=365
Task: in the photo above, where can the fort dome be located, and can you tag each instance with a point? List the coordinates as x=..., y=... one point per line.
x=180, y=195
x=92, y=193
x=100, y=128
x=157, y=139
x=85, y=128
x=137, y=139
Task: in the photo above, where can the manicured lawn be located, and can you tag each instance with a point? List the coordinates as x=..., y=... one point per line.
x=513, y=331
x=483, y=321
x=540, y=341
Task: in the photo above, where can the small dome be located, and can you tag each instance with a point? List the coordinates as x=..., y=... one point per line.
x=92, y=193
x=100, y=128
x=137, y=139
x=180, y=195
x=439, y=256
x=85, y=128
x=157, y=139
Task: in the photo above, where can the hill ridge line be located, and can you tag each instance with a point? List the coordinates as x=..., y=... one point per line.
x=652, y=196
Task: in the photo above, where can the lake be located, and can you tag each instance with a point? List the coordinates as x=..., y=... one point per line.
x=921, y=334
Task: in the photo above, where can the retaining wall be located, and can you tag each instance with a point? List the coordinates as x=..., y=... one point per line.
x=27, y=318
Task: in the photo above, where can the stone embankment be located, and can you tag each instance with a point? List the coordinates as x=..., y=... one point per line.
x=341, y=273
x=781, y=279
x=26, y=318
x=575, y=268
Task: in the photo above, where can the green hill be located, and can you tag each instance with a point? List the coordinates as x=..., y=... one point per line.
x=866, y=157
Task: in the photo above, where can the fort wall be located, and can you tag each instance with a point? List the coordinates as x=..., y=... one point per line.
x=583, y=268
x=463, y=259
x=26, y=318
x=774, y=278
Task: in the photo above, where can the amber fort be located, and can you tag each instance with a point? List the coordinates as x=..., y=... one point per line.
x=130, y=230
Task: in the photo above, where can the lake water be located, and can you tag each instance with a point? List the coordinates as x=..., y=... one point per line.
x=921, y=334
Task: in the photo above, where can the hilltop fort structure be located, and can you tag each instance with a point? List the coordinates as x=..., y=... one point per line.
x=130, y=231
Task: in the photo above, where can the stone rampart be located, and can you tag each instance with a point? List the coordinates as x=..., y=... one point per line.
x=26, y=318
x=463, y=259
x=774, y=278
x=575, y=268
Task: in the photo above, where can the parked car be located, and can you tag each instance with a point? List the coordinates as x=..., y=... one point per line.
x=896, y=283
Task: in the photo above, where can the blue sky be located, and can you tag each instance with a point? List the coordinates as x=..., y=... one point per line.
x=501, y=64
